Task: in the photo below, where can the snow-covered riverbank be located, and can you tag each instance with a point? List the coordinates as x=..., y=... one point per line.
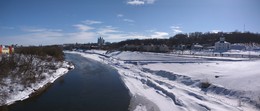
x=15, y=91
x=172, y=82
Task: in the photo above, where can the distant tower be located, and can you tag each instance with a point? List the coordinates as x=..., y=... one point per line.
x=101, y=41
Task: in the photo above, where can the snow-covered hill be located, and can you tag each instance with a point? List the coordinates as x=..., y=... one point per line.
x=170, y=82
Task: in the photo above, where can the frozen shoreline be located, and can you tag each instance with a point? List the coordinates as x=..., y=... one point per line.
x=166, y=94
x=20, y=94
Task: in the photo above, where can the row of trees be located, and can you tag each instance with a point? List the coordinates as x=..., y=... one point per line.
x=43, y=52
x=197, y=37
x=211, y=38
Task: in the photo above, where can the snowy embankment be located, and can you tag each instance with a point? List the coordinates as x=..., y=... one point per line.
x=230, y=53
x=16, y=91
x=170, y=82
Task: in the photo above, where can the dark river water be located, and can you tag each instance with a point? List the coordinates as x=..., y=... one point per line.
x=91, y=86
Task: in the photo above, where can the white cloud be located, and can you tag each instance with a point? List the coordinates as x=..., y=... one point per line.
x=159, y=35
x=110, y=33
x=176, y=29
x=85, y=34
x=48, y=37
x=215, y=31
x=90, y=22
x=34, y=38
x=34, y=29
x=140, y=2
x=128, y=20
x=81, y=37
x=115, y=37
x=119, y=15
x=135, y=2
x=83, y=28
x=153, y=35
x=107, y=29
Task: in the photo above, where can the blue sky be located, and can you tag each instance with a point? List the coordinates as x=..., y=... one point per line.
x=36, y=22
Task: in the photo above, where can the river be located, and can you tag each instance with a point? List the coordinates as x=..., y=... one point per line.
x=91, y=86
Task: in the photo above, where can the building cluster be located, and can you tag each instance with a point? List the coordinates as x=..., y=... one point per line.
x=222, y=46
x=101, y=41
x=6, y=49
x=86, y=46
x=219, y=46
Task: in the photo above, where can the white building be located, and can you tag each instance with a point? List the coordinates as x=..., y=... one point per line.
x=222, y=45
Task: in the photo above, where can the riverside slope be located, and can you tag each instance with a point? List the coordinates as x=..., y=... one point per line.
x=170, y=91
x=18, y=92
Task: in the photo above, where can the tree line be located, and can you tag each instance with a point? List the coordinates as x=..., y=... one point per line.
x=54, y=51
x=207, y=39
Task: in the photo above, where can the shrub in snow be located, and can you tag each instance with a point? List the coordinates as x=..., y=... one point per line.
x=205, y=84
